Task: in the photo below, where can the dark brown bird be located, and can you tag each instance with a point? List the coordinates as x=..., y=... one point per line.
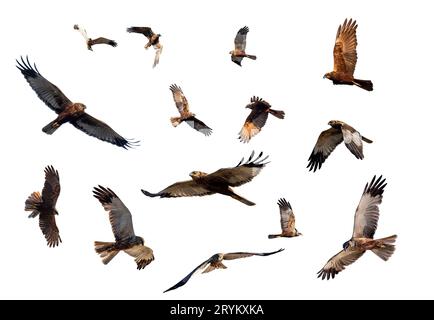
x=215, y=262
x=345, y=57
x=90, y=42
x=184, y=110
x=239, y=53
x=287, y=221
x=68, y=111
x=365, y=225
x=257, y=118
x=122, y=227
x=329, y=139
x=44, y=206
x=153, y=40
x=220, y=181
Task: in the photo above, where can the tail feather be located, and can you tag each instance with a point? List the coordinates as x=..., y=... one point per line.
x=250, y=56
x=241, y=199
x=33, y=203
x=364, y=84
x=175, y=121
x=51, y=127
x=367, y=140
x=106, y=251
x=387, y=247
x=277, y=113
x=272, y=236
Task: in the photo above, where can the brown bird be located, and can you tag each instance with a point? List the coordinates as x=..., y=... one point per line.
x=239, y=52
x=365, y=225
x=220, y=181
x=329, y=139
x=257, y=118
x=345, y=57
x=287, y=221
x=44, y=206
x=184, y=110
x=90, y=42
x=153, y=40
x=215, y=262
x=122, y=227
x=68, y=111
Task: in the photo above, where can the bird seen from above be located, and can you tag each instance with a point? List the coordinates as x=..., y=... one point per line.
x=90, y=42
x=215, y=262
x=239, y=51
x=365, y=225
x=287, y=221
x=345, y=57
x=220, y=181
x=185, y=114
x=67, y=111
x=44, y=206
x=329, y=139
x=122, y=227
x=257, y=118
x=153, y=40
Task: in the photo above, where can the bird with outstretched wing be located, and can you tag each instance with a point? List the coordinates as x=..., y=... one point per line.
x=287, y=221
x=91, y=42
x=153, y=40
x=239, y=52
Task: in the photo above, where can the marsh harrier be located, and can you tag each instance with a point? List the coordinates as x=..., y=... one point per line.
x=153, y=40
x=90, y=42
x=239, y=52
x=287, y=221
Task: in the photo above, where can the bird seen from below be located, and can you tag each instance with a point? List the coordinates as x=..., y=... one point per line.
x=44, y=206
x=239, y=52
x=122, y=227
x=257, y=118
x=91, y=42
x=287, y=221
x=345, y=57
x=67, y=111
x=220, y=181
x=365, y=225
x=185, y=114
x=329, y=139
x=153, y=40
x=215, y=262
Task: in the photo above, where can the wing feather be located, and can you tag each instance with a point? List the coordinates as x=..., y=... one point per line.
x=327, y=141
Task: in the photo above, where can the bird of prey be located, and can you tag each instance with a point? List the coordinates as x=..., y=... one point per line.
x=365, y=225
x=44, y=206
x=122, y=227
x=215, y=262
x=345, y=57
x=287, y=221
x=239, y=52
x=184, y=110
x=329, y=139
x=257, y=118
x=67, y=110
x=153, y=40
x=90, y=42
x=220, y=181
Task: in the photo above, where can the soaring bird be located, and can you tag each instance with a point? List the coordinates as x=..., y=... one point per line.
x=184, y=110
x=122, y=227
x=239, y=52
x=215, y=262
x=68, y=111
x=153, y=40
x=287, y=221
x=257, y=118
x=329, y=139
x=220, y=181
x=345, y=57
x=44, y=206
x=90, y=42
x=365, y=225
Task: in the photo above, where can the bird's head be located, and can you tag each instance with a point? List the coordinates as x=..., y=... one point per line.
x=335, y=124
x=80, y=107
x=231, y=52
x=298, y=233
x=76, y=26
x=197, y=174
x=140, y=240
x=328, y=75
x=346, y=245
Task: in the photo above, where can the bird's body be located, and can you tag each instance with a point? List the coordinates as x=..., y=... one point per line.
x=239, y=52
x=91, y=42
x=153, y=40
x=287, y=221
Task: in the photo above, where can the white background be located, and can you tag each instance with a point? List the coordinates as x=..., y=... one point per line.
x=294, y=43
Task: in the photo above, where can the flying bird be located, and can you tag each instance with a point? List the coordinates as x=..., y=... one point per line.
x=345, y=57
x=287, y=221
x=67, y=111
x=153, y=40
x=257, y=118
x=215, y=262
x=184, y=110
x=90, y=42
x=329, y=139
x=239, y=52
x=122, y=227
x=44, y=206
x=220, y=181
x=365, y=225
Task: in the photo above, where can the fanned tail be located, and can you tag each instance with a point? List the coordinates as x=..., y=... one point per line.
x=387, y=247
x=277, y=113
x=106, y=251
x=175, y=121
x=33, y=204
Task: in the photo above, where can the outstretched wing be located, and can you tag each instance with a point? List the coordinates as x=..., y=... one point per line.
x=198, y=125
x=353, y=140
x=327, y=141
x=241, y=39
x=146, y=31
x=46, y=91
x=119, y=215
x=82, y=31
x=367, y=212
x=180, y=99
x=238, y=255
x=102, y=40
x=344, y=52
x=255, y=121
x=287, y=218
x=101, y=130
x=143, y=255
x=187, y=188
x=47, y=223
x=338, y=262
x=51, y=189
